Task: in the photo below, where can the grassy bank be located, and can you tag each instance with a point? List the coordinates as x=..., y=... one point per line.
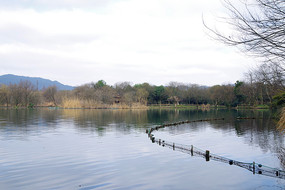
x=203, y=106
x=252, y=107
x=75, y=103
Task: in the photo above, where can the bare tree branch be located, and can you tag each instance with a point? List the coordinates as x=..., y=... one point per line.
x=259, y=29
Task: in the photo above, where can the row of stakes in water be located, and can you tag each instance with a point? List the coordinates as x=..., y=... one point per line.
x=179, y=123
x=255, y=168
x=151, y=136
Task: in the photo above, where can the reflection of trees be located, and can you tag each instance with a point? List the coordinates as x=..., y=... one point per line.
x=281, y=156
x=15, y=122
x=50, y=116
x=101, y=120
x=261, y=132
x=97, y=120
x=93, y=119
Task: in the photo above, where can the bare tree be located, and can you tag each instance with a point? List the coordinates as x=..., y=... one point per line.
x=128, y=98
x=108, y=94
x=27, y=89
x=263, y=83
x=23, y=94
x=16, y=94
x=123, y=87
x=259, y=29
x=50, y=94
x=142, y=95
x=84, y=91
x=4, y=95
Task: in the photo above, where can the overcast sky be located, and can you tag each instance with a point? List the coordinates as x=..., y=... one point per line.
x=79, y=41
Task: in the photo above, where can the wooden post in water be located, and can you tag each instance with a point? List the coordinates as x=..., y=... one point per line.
x=191, y=150
x=173, y=146
x=207, y=155
x=253, y=167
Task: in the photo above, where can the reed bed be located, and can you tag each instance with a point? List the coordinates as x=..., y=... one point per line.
x=71, y=103
x=281, y=122
x=93, y=104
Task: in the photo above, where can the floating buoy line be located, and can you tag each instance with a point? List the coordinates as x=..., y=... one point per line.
x=254, y=167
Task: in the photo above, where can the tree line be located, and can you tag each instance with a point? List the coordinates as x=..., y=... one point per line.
x=258, y=30
x=261, y=86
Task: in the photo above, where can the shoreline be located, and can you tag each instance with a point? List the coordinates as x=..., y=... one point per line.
x=143, y=107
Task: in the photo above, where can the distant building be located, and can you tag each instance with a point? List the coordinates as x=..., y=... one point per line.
x=117, y=99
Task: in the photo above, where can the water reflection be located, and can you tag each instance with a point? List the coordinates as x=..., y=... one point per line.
x=255, y=168
x=109, y=146
x=261, y=131
x=256, y=131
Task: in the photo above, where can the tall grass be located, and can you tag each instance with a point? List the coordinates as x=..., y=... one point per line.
x=71, y=103
x=93, y=104
x=281, y=123
x=138, y=106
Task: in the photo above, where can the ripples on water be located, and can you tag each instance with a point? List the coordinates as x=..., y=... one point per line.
x=108, y=149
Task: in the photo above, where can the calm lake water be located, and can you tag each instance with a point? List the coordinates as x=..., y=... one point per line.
x=109, y=149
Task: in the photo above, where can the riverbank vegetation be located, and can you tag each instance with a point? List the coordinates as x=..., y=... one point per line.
x=259, y=90
x=257, y=29
x=281, y=123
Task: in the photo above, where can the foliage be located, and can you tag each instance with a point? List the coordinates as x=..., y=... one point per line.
x=124, y=95
x=158, y=94
x=99, y=84
x=239, y=96
x=279, y=100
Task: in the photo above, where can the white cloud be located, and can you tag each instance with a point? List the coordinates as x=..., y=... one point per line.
x=153, y=41
x=44, y=5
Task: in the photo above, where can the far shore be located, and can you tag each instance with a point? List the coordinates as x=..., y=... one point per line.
x=144, y=107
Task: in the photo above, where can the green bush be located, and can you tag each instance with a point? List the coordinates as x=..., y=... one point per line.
x=278, y=100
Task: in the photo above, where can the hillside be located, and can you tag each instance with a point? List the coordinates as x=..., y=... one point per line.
x=38, y=82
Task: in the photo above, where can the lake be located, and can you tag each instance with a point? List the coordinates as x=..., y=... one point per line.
x=109, y=149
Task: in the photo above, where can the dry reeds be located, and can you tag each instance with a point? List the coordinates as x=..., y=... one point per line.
x=281, y=122
x=78, y=103
x=71, y=103
x=138, y=106
x=93, y=104
x=132, y=106
x=205, y=107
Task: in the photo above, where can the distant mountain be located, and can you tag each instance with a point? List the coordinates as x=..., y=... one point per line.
x=38, y=82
